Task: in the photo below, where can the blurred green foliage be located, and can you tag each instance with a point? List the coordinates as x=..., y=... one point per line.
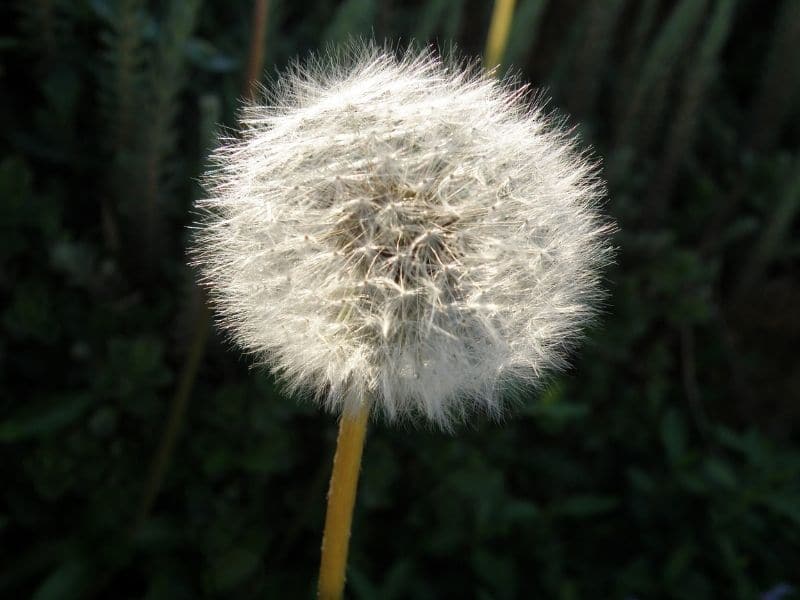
x=664, y=465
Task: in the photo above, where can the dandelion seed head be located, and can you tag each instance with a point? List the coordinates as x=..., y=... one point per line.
x=399, y=228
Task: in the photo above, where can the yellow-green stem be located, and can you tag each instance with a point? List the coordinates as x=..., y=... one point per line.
x=498, y=32
x=341, y=500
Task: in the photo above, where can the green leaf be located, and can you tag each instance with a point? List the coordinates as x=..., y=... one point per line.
x=233, y=568
x=496, y=572
x=721, y=473
x=642, y=481
x=38, y=421
x=586, y=505
x=66, y=582
x=521, y=511
x=272, y=454
x=673, y=436
x=203, y=54
x=33, y=314
x=354, y=18
x=437, y=16
x=785, y=505
x=678, y=563
x=524, y=31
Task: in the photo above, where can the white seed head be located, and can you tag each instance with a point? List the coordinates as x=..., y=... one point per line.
x=405, y=230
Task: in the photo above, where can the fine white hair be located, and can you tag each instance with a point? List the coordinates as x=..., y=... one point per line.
x=393, y=228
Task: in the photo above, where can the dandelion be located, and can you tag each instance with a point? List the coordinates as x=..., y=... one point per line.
x=401, y=235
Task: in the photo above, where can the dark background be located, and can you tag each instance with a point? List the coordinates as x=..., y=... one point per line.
x=664, y=464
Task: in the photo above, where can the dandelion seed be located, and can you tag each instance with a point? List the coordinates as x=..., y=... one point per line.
x=393, y=228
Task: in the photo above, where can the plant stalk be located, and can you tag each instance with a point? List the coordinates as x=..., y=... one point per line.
x=499, y=29
x=341, y=500
x=255, y=58
x=177, y=410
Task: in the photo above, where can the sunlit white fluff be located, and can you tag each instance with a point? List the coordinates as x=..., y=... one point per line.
x=397, y=229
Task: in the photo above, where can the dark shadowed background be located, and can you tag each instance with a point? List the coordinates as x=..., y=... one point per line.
x=143, y=458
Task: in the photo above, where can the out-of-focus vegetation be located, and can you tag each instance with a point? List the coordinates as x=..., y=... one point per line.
x=666, y=464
